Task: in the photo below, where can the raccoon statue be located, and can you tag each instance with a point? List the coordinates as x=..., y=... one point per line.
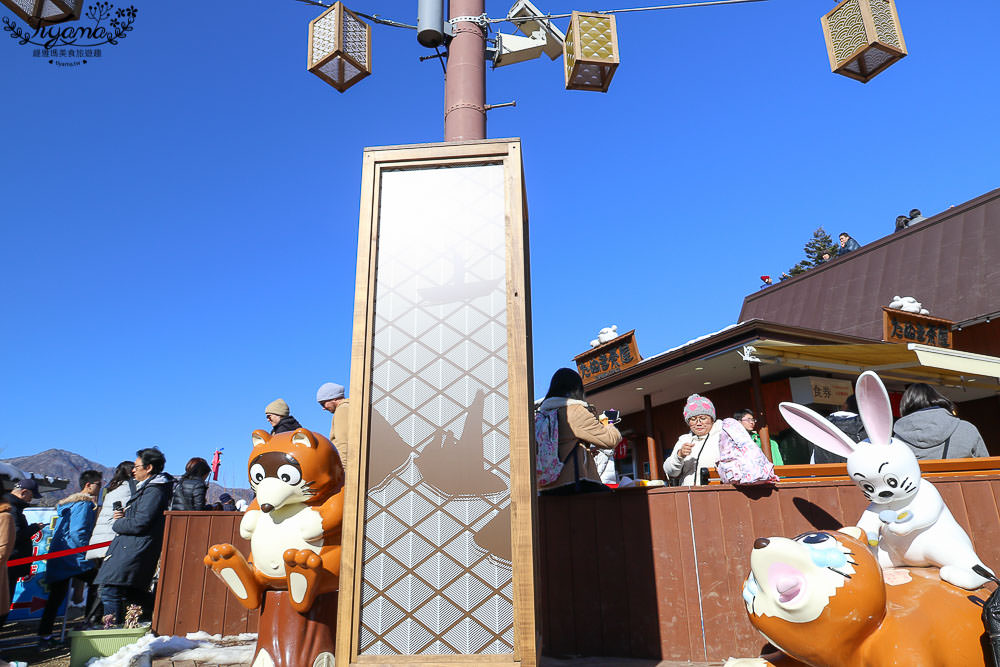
x=293, y=524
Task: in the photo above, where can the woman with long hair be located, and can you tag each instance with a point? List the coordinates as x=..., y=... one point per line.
x=931, y=428
x=119, y=489
x=579, y=428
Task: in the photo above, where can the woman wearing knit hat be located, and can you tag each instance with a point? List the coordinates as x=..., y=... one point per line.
x=697, y=449
x=280, y=417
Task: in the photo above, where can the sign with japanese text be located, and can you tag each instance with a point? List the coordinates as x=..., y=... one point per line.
x=608, y=358
x=825, y=391
x=902, y=327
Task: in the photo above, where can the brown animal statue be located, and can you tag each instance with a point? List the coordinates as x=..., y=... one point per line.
x=823, y=601
x=293, y=524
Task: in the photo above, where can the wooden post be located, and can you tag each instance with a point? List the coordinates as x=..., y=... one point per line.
x=758, y=406
x=654, y=454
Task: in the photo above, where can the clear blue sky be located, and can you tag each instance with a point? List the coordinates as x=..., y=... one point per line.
x=180, y=216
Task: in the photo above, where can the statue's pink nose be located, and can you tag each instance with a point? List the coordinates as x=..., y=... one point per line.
x=266, y=507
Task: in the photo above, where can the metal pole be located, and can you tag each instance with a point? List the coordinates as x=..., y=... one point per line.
x=465, y=82
x=758, y=405
x=654, y=455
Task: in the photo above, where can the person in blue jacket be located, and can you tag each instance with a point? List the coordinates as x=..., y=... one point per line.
x=128, y=569
x=77, y=514
x=847, y=244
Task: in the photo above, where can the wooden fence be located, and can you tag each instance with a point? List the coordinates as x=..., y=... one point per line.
x=658, y=573
x=189, y=597
x=645, y=573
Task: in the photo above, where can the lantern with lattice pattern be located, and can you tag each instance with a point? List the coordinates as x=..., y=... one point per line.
x=590, y=52
x=340, y=47
x=863, y=37
x=45, y=12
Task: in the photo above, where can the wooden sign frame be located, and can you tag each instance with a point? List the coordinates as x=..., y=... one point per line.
x=363, y=451
x=929, y=329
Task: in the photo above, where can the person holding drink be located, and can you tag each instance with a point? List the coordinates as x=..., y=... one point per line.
x=580, y=428
x=697, y=449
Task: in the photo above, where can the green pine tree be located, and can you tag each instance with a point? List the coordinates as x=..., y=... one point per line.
x=815, y=248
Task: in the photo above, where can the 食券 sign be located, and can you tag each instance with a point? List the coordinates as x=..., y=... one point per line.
x=825, y=391
x=902, y=327
x=608, y=358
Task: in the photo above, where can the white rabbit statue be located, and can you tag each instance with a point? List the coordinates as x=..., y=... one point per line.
x=907, y=522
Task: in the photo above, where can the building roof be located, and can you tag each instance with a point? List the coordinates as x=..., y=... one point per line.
x=948, y=262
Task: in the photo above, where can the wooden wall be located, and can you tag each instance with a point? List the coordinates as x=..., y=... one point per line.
x=633, y=573
x=189, y=597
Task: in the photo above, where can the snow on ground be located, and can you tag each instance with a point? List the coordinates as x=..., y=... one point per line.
x=197, y=646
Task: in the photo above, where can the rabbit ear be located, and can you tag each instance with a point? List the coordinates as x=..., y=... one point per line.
x=816, y=429
x=874, y=406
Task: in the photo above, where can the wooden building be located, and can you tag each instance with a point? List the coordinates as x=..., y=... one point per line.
x=827, y=325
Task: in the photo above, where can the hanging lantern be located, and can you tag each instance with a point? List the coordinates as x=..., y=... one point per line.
x=590, y=52
x=340, y=47
x=45, y=12
x=863, y=37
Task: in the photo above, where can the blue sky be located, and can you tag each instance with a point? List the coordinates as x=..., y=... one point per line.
x=180, y=215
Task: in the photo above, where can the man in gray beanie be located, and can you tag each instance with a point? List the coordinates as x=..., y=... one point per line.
x=330, y=397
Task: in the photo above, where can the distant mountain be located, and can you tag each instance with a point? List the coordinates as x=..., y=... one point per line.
x=67, y=465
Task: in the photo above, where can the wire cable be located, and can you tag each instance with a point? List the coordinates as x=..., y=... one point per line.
x=396, y=24
x=621, y=11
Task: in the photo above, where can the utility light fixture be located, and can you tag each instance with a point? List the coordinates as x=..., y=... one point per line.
x=863, y=37
x=45, y=12
x=590, y=54
x=340, y=47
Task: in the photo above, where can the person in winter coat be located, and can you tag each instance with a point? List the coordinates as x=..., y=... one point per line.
x=929, y=426
x=119, y=489
x=579, y=427
x=227, y=502
x=190, y=490
x=77, y=514
x=697, y=449
x=848, y=421
x=25, y=490
x=847, y=244
x=8, y=532
x=280, y=417
x=128, y=570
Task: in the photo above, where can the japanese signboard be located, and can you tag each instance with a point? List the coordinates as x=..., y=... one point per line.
x=902, y=327
x=608, y=358
x=825, y=391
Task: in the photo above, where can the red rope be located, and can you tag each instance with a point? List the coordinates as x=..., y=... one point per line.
x=56, y=554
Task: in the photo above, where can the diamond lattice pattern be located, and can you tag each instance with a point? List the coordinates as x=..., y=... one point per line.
x=439, y=380
x=596, y=38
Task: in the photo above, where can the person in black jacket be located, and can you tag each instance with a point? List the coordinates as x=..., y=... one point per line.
x=190, y=490
x=25, y=490
x=280, y=417
x=128, y=569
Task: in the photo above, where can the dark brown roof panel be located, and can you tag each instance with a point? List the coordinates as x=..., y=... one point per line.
x=950, y=263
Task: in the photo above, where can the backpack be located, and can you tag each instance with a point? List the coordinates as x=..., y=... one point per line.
x=740, y=459
x=547, y=462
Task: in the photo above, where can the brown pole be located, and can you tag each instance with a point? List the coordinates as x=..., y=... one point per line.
x=465, y=82
x=758, y=407
x=654, y=455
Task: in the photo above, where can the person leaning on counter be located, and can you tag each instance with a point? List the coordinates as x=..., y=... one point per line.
x=697, y=449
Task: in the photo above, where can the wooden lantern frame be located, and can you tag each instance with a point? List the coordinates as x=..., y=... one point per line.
x=339, y=56
x=59, y=11
x=576, y=64
x=863, y=38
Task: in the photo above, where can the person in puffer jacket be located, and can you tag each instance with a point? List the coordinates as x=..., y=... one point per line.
x=190, y=490
x=127, y=572
x=929, y=426
x=77, y=514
